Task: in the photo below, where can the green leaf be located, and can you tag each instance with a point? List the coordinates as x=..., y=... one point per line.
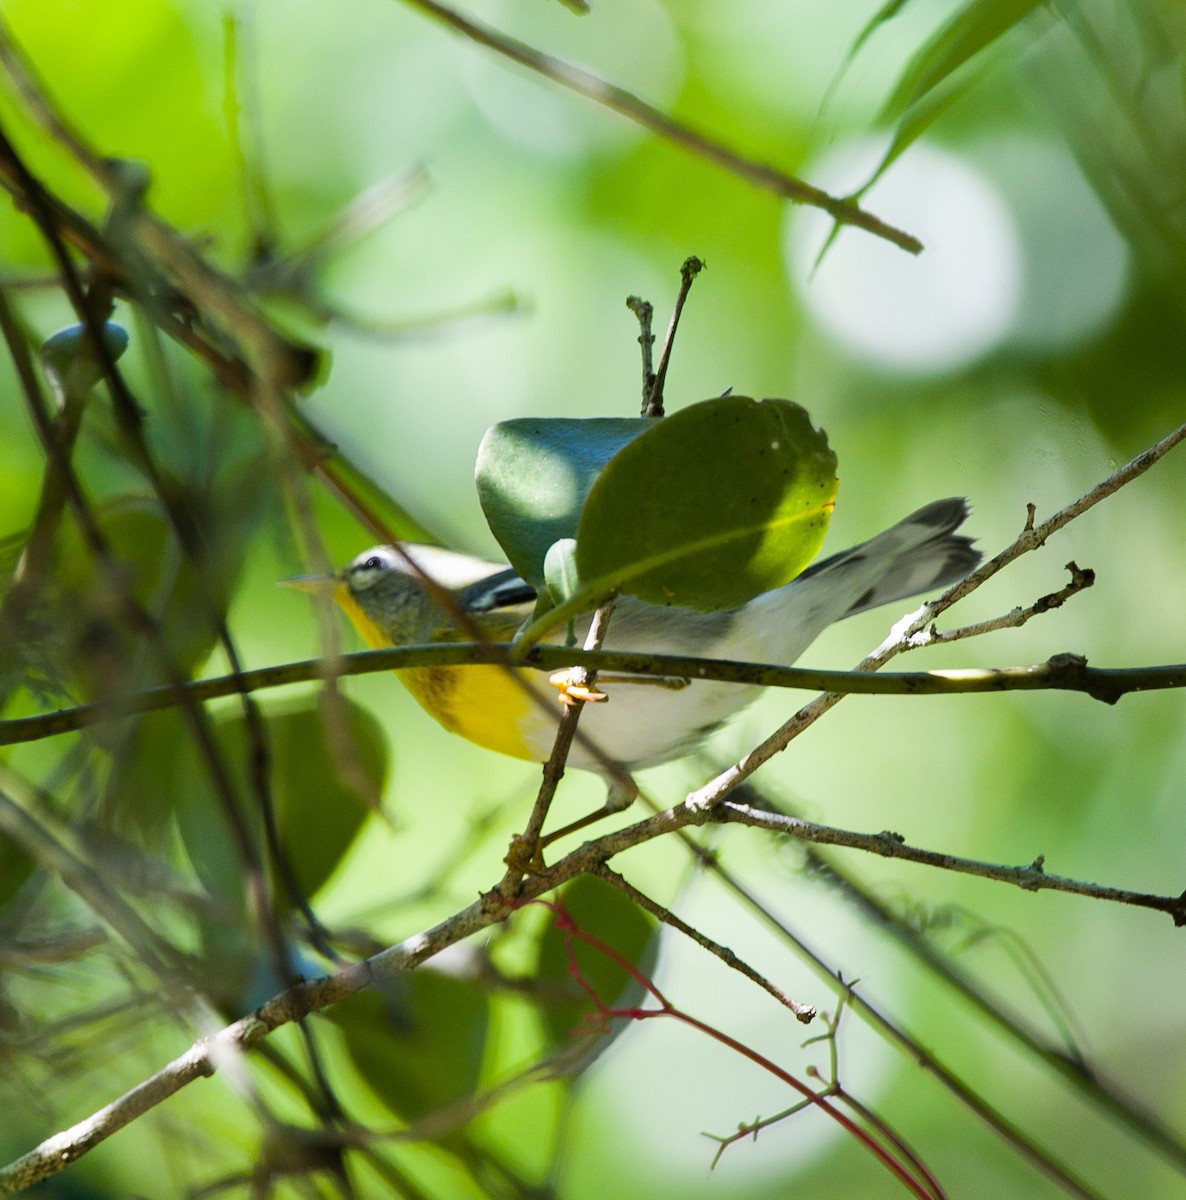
x=15, y=867
x=567, y=960
x=886, y=13
x=318, y=814
x=137, y=536
x=726, y=499
x=970, y=31
x=533, y=475
x=147, y=750
x=318, y=809
x=935, y=80
x=917, y=119
x=321, y=800
x=418, y=1040
x=168, y=751
x=94, y=626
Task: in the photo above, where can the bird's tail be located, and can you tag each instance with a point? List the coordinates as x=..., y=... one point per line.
x=920, y=553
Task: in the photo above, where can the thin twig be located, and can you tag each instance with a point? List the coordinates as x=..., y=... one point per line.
x=1081, y=580
x=21, y=954
x=654, y=399
x=664, y=1008
x=35, y=556
x=139, y=619
x=1066, y=672
x=915, y=1050
x=803, y=1012
x=180, y=299
x=207, y=1054
x=203, y=1058
x=644, y=311
x=580, y=689
x=619, y=100
x=834, y=1089
x=26, y=820
x=130, y=422
x=899, y=1037
x=217, y=293
x=1086, y=1079
x=267, y=366
x=1031, y=878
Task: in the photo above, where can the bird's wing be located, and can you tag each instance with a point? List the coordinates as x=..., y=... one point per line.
x=504, y=589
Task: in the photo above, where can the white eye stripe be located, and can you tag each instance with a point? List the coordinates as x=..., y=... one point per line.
x=369, y=567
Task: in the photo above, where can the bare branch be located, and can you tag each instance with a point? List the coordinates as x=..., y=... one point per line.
x=203, y=1058
x=1081, y=580
x=1034, y=536
x=619, y=100
x=1065, y=672
x=578, y=688
x=1031, y=878
x=644, y=311
x=1088, y=1079
x=206, y=1055
x=916, y=1050
x=653, y=404
x=803, y=1012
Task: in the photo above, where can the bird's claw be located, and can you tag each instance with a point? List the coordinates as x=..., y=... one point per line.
x=573, y=690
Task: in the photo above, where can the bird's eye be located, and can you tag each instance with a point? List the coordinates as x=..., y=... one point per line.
x=373, y=563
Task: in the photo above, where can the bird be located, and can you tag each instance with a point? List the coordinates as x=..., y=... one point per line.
x=388, y=603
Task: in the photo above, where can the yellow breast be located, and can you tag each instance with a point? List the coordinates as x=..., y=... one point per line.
x=484, y=704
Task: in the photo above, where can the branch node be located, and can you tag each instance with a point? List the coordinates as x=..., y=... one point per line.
x=1032, y=877
x=1067, y=661
x=644, y=311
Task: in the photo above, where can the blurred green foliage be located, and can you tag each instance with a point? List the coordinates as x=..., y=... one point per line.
x=260, y=126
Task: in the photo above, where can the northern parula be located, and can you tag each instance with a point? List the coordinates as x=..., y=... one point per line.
x=641, y=726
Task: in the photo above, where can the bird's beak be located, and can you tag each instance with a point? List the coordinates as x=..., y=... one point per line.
x=315, y=585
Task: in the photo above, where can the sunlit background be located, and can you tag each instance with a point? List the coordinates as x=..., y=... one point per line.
x=1032, y=348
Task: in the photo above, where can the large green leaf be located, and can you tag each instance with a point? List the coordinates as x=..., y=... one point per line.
x=709, y=507
x=318, y=808
x=105, y=654
x=321, y=800
x=315, y=773
x=418, y=1040
x=534, y=473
